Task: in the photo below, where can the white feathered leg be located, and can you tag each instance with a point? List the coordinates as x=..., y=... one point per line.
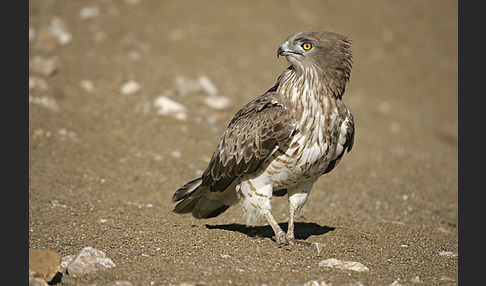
x=255, y=196
x=297, y=198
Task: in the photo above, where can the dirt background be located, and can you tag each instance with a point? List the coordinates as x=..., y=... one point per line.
x=103, y=165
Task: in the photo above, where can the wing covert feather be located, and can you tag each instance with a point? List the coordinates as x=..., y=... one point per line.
x=252, y=136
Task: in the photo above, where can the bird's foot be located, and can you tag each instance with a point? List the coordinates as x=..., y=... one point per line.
x=281, y=238
x=291, y=239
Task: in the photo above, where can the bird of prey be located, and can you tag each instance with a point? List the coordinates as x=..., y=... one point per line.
x=282, y=141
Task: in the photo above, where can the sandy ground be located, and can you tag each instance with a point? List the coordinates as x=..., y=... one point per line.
x=103, y=165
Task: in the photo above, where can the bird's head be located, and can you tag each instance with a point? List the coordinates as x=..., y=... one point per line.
x=328, y=53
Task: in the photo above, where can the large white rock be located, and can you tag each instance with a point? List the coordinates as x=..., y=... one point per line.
x=340, y=264
x=88, y=260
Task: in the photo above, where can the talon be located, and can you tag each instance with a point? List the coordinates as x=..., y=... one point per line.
x=291, y=240
x=281, y=239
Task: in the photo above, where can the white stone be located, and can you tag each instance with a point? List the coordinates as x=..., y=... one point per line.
x=55, y=204
x=130, y=87
x=176, y=154
x=88, y=260
x=207, y=85
x=66, y=134
x=217, y=102
x=185, y=85
x=44, y=66
x=37, y=84
x=87, y=85
x=89, y=12
x=58, y=29
x=167, y=106
x=45, y=101
x=448, y=254
x=340, y=264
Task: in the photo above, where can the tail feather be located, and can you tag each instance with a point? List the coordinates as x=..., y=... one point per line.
x=194, y=198
x=207, y=208
x=186, y=190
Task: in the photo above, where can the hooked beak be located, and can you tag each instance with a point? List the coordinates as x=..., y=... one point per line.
x=280, y=52
x=285, y=50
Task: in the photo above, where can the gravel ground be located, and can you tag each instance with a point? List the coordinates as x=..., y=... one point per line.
x=127, y=100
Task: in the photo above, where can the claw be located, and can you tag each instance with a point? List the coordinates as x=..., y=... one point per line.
x=281, y=239
x=291, y=239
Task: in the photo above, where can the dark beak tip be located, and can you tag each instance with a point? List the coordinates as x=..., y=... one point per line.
x=279, y=52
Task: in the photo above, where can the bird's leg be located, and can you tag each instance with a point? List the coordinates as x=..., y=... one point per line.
x=256, y=200
x=280, y=236
x=290, y=230
x=297, y=198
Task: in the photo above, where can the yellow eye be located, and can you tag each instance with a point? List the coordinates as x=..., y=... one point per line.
x=306, y=46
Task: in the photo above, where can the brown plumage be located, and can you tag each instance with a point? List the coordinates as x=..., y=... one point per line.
x=283, y=141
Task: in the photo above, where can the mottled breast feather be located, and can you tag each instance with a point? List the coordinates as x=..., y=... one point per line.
x=256, y=131
x=348, y=143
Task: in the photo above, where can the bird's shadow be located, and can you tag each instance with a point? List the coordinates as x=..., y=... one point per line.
x=303, y=230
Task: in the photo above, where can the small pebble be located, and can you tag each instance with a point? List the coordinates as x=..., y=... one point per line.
x=167, y=106
x=37, y=83
x=45, y=101
x=41, y=133
x=56, y=204
x=87, y=85
x=123, y=283
x=448, y=253
x=176, y=154
x=185, y=85
x=89, y=12
x=207, y=85
x=44, y=66
x=64, y=133
x=58, y=29
x=130, y=87
x=217, y=102
x=443, y=230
